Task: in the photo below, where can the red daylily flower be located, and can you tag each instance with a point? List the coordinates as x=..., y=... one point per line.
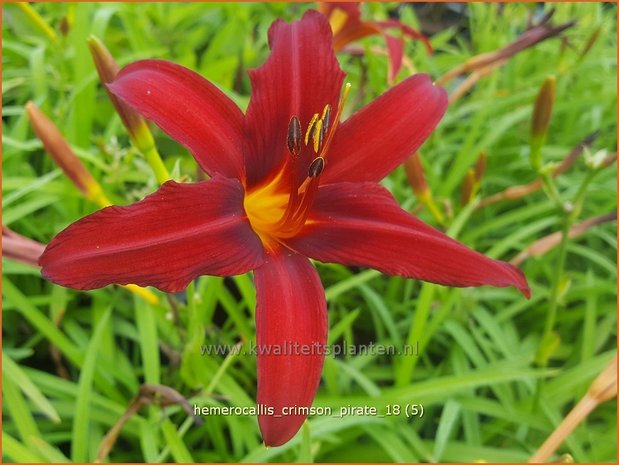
x=347, y=26
x=289, y=181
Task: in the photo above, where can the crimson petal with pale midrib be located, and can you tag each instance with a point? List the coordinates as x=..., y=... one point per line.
x=290, y=309
x=174, y=235
x=361, y=224
x=189, y=109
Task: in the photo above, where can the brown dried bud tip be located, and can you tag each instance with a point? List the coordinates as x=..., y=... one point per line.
x=480, y=166
x=64, y=26
x=543, y=108
x=591, y=41
x=316, y=167
x=294, y=136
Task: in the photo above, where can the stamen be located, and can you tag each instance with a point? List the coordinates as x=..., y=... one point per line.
x=336, y=120
x=320, y=131
x=294, y=136
x=326, y=117
x=316, y=167
x=318, y=135
x=310, y=128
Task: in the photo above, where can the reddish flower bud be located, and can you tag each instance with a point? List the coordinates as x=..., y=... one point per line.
x=107, y=68
x=56, y=145
x=136, y=126
x=417, y=180
x=541, y=119
x=472, y=180
x=480, y=166
x=20, y=248
x=415, y=174
x=468, y=187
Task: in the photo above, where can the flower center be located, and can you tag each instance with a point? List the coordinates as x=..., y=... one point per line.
x=279, y=208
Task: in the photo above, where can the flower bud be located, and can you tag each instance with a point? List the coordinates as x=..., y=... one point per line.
x=541, y=119
x=468, y=187
x=107, y=68
x=136, y=125
x=417, y=180
x=415, y=174
x=472, y=180
x=56, y=145
x=20, y=248
x=480, y=166
x=591, y=42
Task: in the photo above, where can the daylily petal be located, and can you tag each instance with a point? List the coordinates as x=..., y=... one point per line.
x=352, y=30
x=362, y=225
x=379, y=137
x=352, y=9
x=291, y=320
x=299, y=78
x=395, y=48
x=172, y=236
x=407, y=30
x=189, y=109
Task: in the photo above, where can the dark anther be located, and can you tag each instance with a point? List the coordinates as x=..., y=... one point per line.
x=294, y=136
x=326, y=118
x=316, y=167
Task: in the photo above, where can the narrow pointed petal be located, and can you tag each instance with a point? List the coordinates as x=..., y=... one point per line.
x=299, y=78
x=380, y=136
x=172, y=236
x=362, y=225
x=189, y=109
x=395, y=48
x=354, y=29
x=407, y=31
x=291, y=333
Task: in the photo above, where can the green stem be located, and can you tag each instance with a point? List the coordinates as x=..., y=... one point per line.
x=154, y=160
x=429, y=203
x=142, y=139
x=569, y=216
x=37, y=21
x=551, y=190
x=554, y=296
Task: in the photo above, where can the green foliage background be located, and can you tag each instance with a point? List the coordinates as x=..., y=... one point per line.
x=484, y=398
